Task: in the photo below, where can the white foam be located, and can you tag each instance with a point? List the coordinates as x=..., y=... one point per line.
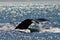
x=51, y=30
x=23, y=30
x=6, y=26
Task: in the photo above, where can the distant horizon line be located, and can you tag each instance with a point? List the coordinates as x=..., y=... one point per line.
x=26, y=3
x=30, y=1
x=33, y=1
x=25, y=0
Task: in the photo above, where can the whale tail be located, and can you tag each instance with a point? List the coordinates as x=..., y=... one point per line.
x=24, y=24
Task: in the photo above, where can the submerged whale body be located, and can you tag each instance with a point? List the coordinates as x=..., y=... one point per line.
x=26, y=23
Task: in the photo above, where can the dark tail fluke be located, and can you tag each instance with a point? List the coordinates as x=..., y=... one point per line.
x=41, y=20
x=24, y=24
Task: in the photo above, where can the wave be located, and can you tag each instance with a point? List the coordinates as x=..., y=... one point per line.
x=11, y=14
x=51, y=30
x=9, y=27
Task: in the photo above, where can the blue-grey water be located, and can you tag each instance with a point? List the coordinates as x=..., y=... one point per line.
x=12, y=14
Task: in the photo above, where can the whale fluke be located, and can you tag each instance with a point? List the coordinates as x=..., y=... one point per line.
x=40, y=20
x=24, y=24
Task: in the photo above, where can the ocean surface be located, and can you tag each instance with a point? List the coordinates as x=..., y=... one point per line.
x=11, y=16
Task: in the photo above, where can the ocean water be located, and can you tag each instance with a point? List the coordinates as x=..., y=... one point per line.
x=11, y=16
